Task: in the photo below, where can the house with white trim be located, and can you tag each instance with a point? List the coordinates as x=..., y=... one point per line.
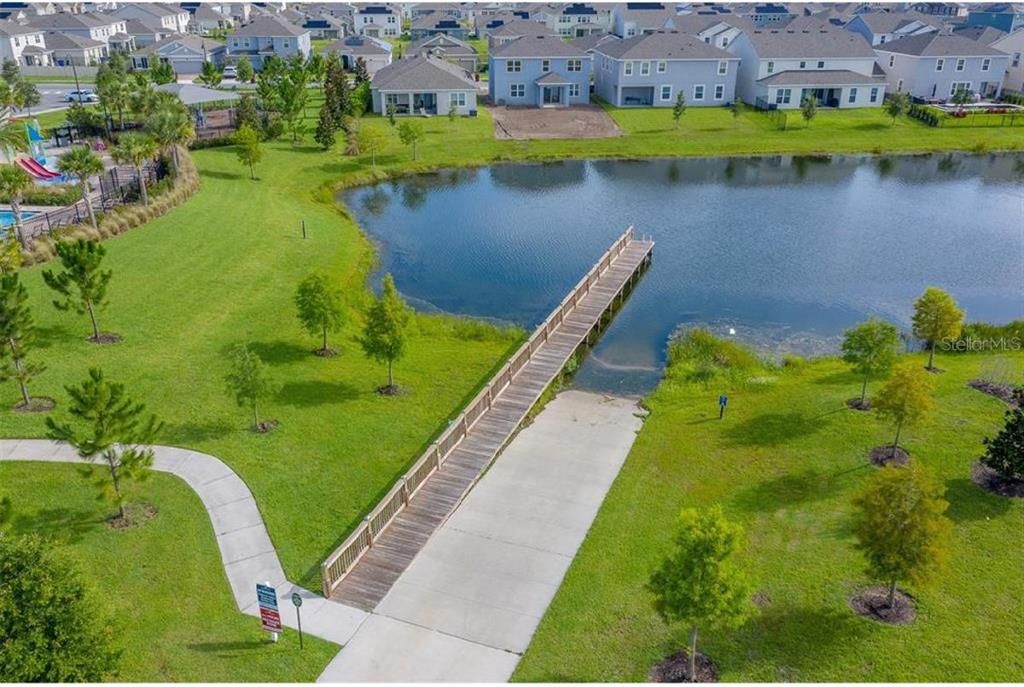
x=378, y=21
x=653, y=69
x=636, y=18
x=171, y=17
x=539, y=70
x=1013, y=45
x=885, y=27
x=936, y=66
x=269, y=35
x=23, y=44
x=374, y=52
x=186, y=53
x=423, y=86
x=95, y=26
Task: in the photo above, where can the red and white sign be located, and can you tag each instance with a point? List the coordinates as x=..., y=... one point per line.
x=271, y=620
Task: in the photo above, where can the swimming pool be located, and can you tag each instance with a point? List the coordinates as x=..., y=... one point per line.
x=7, y=218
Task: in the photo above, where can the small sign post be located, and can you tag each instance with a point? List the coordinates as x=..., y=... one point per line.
x=297, y=602
x=303, y=228
x=723, y=401
x=270, y=615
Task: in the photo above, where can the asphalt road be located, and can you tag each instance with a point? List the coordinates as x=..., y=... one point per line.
x=53, y=95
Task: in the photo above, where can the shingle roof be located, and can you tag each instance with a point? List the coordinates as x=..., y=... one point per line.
x=66, y=20
x=824, y=40
x=986, y=35
x=9, y=28
x=538, y=46
x=435, y=20
x=553, y=79
x=939, y=45
x=590, y=42
x=663, y=45
x=450, y=44
x=424, y=73
x=819, y=77
x=522, y=27
x=887, y=22
x=699, y=22
x=269, y=26
x=65, y=41
x=356, y=45
x=188, y=40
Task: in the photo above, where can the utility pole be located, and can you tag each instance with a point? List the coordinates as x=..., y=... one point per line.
x=74, y=70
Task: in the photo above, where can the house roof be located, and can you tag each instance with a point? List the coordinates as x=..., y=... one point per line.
x=65, y=21
x=435, y=20
x=699, y=22
x=647, y=14
x=207, y=13
x=888, y=22
x=375, y=9
x=987, y=35
x=191, y=41
x=159, y=9
x=9, y=28
x=421, y=73
x=670, y=45
x=579, y=8
x=809, y=40
x=450, y=44
x=138, y=27
x=543, y=45
x=522, y=27
x=65, y=41
x=940, y=45
x=819, y=77
x=553, y=79
x=588, y=43
x=269, y=26
x=357, y=45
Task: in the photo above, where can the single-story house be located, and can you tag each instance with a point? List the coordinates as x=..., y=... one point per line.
x=653, y=69
x=324, y=27
x=935, y=66
x=186, y=53
x=459, y=53
x=539, y=70
x=423, y=85
x=374, y=52
x=436, y=23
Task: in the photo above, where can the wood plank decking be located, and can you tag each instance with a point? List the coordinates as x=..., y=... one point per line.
x=390, y=552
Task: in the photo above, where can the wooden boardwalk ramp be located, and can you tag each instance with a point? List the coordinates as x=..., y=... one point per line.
x=361, y=571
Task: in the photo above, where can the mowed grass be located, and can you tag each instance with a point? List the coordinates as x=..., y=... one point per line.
x=786, y=462
x=159, y=585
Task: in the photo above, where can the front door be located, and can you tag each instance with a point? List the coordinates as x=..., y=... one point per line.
x=552, y=95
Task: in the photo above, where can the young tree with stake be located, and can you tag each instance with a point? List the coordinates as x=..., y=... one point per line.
x=936, y=318
x=370, y=140
x=384, y=337
x=17, y=334
x=82, y=163
x=82, y=283
x=679, y=109
x=112, y=428
x=699, y=583
x=319, y=308
x=808, y=109
x=871, y=349
x=904, y=400
x=410, y=133
x=248, y=381
x=897, y=105
x=248, y=148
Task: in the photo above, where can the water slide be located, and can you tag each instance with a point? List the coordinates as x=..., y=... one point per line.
x=36, y=169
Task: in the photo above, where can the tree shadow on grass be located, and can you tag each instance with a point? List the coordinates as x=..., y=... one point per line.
x=968, y=501
x=279, y=352
x=195, y=432
x=774, y=429
x=873, y=126
x=230, y=176
x=229, y=647
x=309, y=393
x=62, y=524
x=791, y=489
x=841, y=378
x=54, y=334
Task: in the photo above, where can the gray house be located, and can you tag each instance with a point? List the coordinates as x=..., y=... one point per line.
x=457, y=52
x=935, y=66
x=885, y=27
x=267, y=35
x=186, y=53
x=437, y=23
x=637, y=18
x=652, y=70
x=514, y=30
x=541, y=71
x=423, y=85
x=374, y=52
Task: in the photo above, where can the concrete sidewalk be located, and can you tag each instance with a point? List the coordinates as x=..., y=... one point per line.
x=248, y=554
x=468, y=605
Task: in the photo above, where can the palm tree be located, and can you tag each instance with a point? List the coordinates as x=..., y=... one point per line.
x=170, y=125
x=13, y=136
x=82, y=163
x=14, y=181
x=135, y=149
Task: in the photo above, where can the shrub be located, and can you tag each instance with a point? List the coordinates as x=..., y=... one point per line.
x=212, y=142
x=923, y=113
x=699, y=356
x=49, y=195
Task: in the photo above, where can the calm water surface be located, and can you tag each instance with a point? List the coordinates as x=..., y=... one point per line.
x=786, y=252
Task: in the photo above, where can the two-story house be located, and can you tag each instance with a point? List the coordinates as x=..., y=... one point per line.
x=171, y=17
x=715, y=28
x=23, y=44
x=636, y=18
x=269, y=35
x=145, y=33
x=459, y=53
x=374, y=52
x=514, y=30
x=935, y=66
x=423, y=86
x=578, y=19
x=769, y=15
x=207, y=19
x=186, y=53
x=94, y=26
x=779, y=68
x=73, y=49
x=378, y=21
x=435, y=23
x=1013, y=45
x=653, y=69
x=484, y=24
x=1005, y=16
x=885, y=27
x=540, y=70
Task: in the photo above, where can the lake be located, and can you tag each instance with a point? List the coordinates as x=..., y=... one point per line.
x=784, y=252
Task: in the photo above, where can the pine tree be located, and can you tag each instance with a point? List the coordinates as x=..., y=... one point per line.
x=326, y=127
x=83, y=284
x=17, y=334
x=1005, y=452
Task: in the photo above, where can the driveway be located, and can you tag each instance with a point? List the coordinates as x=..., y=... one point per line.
x=578, y=121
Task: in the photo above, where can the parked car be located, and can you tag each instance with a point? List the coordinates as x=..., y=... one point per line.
x=230, y=72
x=82, y=97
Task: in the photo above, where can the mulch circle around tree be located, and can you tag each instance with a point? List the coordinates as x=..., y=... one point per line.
x=1003, y=392
x=266, y=426
x=990, y=480
x=857, y=404
x=884, y=455
x=136, y=514
x=761, y=600
x=389, y=390
x=326, y=353
x=676, y=668
x=105, y=338
x=873, y=603
x=39, y=404
x=935, y=370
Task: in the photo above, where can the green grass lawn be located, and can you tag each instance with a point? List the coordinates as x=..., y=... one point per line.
x=785, y=462
x=161, y=584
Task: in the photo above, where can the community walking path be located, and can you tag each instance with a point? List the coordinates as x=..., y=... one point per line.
x=245, y=548
x=467, y=606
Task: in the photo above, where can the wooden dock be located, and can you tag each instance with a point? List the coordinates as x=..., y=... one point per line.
x=362, y=570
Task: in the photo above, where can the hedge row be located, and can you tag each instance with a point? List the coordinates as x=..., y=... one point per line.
x=923, y=113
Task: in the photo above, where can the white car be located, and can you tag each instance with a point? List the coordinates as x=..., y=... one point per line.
x=230, y=72
x=81, y=97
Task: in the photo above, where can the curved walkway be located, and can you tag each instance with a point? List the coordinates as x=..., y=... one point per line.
x=245, y=548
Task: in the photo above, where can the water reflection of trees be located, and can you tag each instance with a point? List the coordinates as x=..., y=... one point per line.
x=376, y=201
x=536, y=177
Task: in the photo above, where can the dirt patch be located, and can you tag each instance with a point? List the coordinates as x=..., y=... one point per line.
x=326, y=353
x=105, y=338
x=935, y=370
x=1003, y=392
x=136, y=514
x=884, y=455
x=857, y=404
x=761, y=600
x=266, y=426
x=990, y=480
x=676, y=668
x=390, y=390
x=578, y=121
x=39, y=404
x=873, y=603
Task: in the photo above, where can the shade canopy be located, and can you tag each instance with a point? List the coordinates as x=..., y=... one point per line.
x=191, y=94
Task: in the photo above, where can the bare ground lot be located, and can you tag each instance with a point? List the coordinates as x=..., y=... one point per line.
x=578, y=121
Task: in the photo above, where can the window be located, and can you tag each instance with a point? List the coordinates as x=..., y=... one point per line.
x=985, y=64
x=390, y=99
x=628, y=66
x=545, y=66
x=574, y=90
x=959, y=86
x=899, y=86
x=698, y=92
x=821, y=64
x=723, y=67
x=853, y=96
x=719, y=91
x=960, y=64
x=458, y=99
x=662, y=67
x=645, y=68
x=892, y=60
x=666, y=93
x=286, y=44
x=1016, y=59
x=782, y=96
x=630, y=32
x=513, y=66
x=517, y=90
x=874, y=95
x=575, y=65
x=771, y=67
x=803, y=65
x=725, y=42
x=940, y=64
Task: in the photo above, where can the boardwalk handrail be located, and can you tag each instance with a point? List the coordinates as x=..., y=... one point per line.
x=344, y=558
